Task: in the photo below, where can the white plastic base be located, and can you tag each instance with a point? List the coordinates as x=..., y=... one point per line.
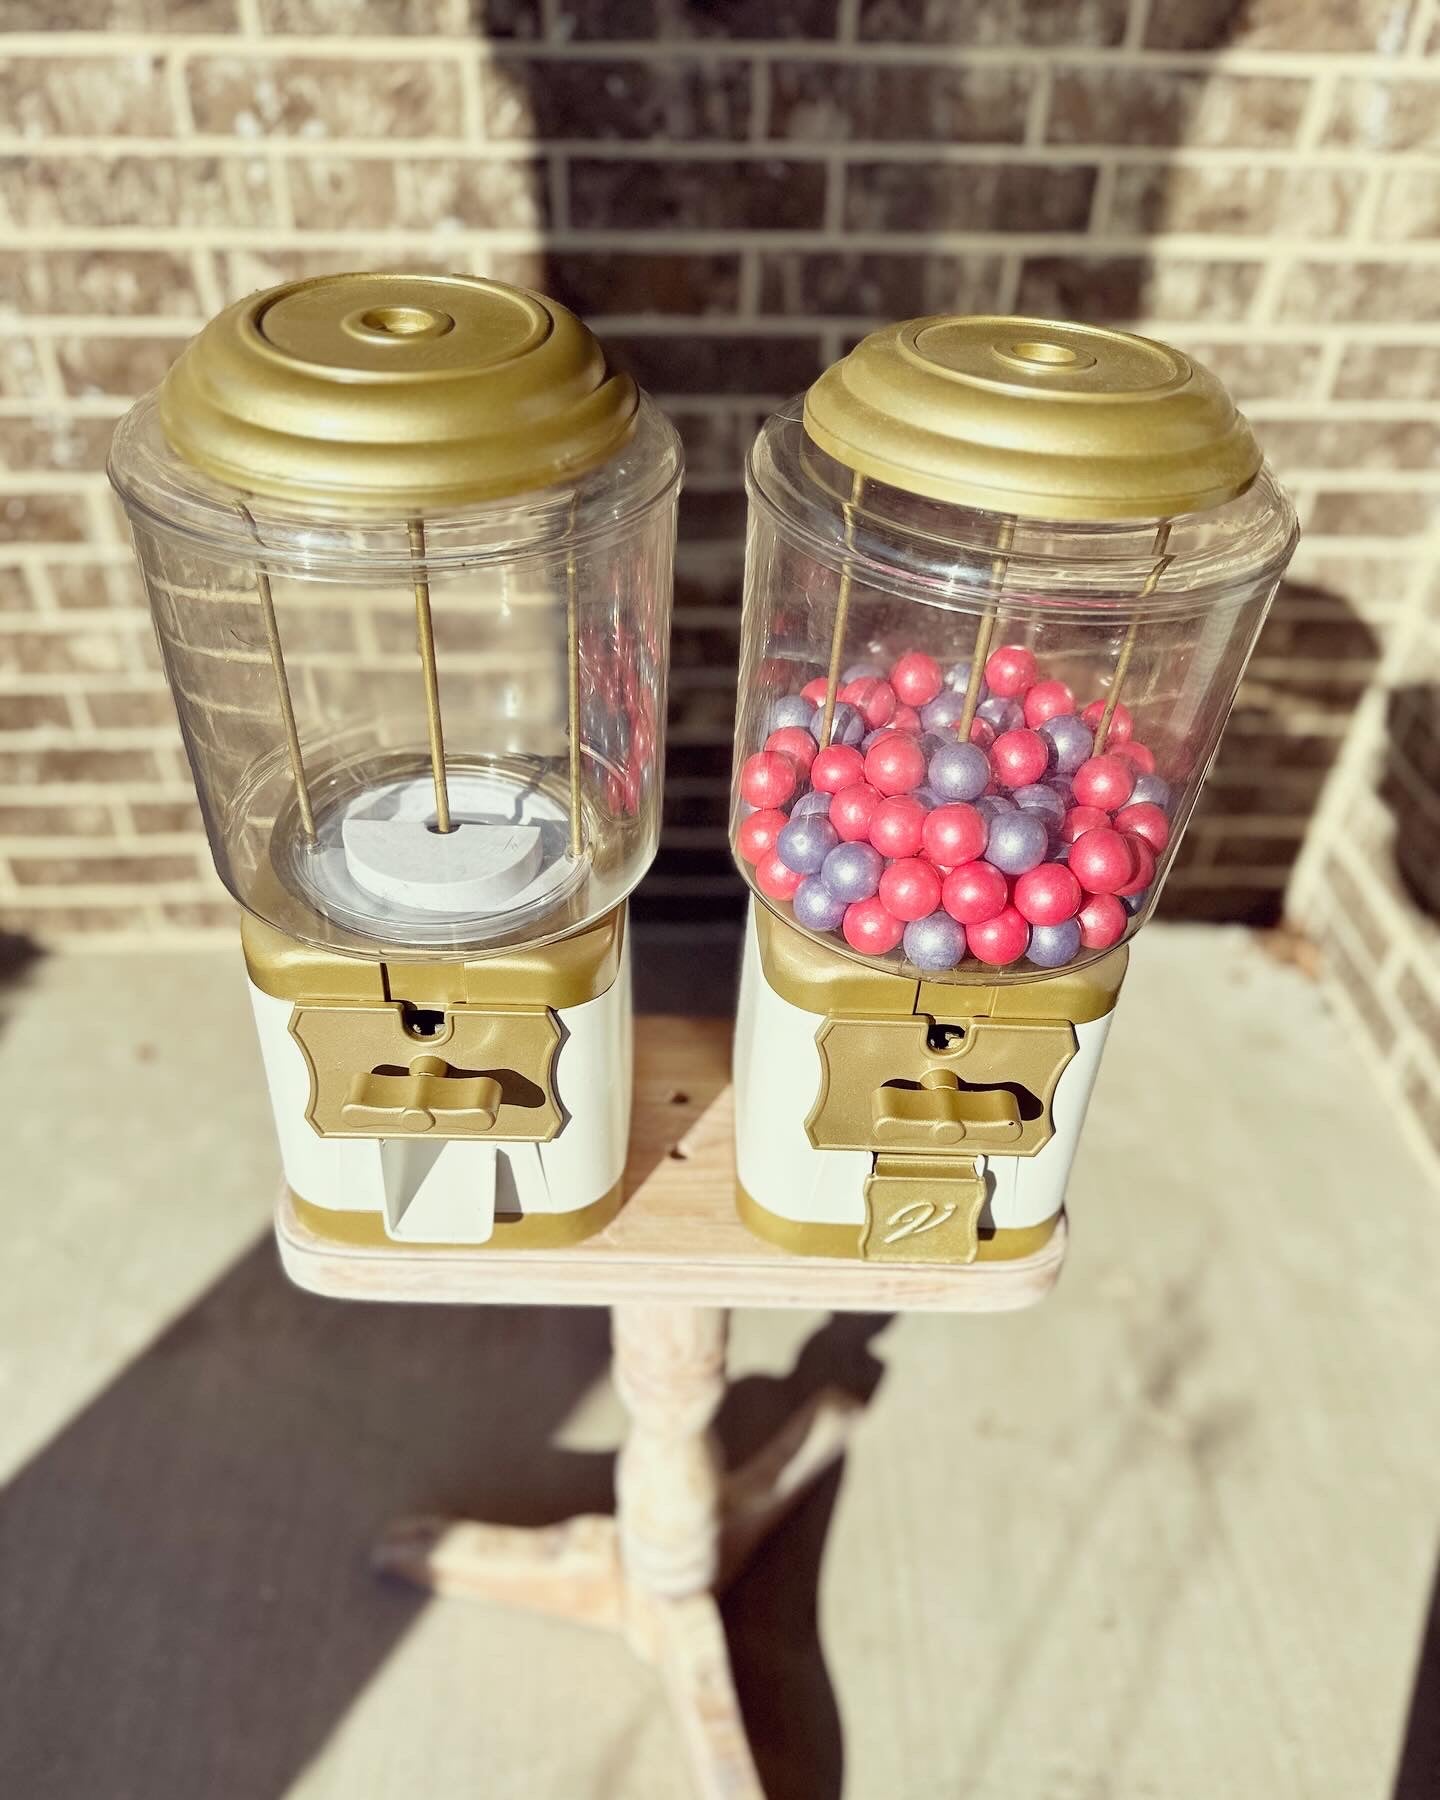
x=450, y=1191
x=777, y=1077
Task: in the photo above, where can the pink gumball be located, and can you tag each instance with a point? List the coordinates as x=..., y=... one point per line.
x=1103, y=781
x=1140, y=759
x=874, y=698
x=906, y=719
x=1047, y=700
x=815, y=691
x=1019, y=758
x=768, y=779
x=897, y=827
x=974, y=892
x=1145, y=820
x=1102, y=861
x=1121, y=722
x=1079, y=820
x=1010, y=671
x=954, y=834
x=757, y=834
x=1102, y=922
x=852, y=811
x=916, y=678
x=793, y=741
x=870, y=928
x=895, y=763
x=774, y=880
x=1001, y=940
x=910, y=889
x=1144, y=865
x=1047, y=895
x=838, y=766
x=982, y=732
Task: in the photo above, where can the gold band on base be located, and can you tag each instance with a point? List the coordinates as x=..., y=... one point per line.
x=802, y=1238
x=513, y=1231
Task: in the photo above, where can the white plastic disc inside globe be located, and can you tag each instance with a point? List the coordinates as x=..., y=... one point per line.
x=380, y=864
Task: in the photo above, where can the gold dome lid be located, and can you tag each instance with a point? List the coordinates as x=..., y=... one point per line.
x=1034, y=418
x=395, y=392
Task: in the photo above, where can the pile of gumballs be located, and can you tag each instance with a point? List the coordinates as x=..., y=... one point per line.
x=1020, y=843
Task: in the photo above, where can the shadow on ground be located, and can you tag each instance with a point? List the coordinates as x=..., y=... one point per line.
x=187, y=1603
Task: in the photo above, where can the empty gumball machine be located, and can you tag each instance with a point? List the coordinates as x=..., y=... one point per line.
x=1004, y=577
x=408, y=543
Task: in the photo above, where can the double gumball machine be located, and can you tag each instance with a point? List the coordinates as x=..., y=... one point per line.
x=408, y=544
x=1004, y=578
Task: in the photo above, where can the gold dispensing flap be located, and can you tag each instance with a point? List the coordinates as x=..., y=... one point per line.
x=1034, y=418
x=395, y=392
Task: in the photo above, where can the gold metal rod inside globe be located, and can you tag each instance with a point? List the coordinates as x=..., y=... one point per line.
x=282, y=687
x=842, y=614
x=572, y=688
x=985, y=630
x=425, y=634
x=1127, y=648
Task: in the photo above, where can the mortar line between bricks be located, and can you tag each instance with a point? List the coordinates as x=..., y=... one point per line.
x=1426, y=14
x=1079, y=245
x=1409, y=64
x=660, y=149
x=1137, y=17
x=1367, y=211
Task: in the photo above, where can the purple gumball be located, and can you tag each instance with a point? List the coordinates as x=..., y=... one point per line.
x=1052, y=946
x=934, y=944
x=805, y=842
x=1004, y=715
x=990, y=806
x=852, y=871
x=942, y=714
x=816, y=907
x=957, y=678
x=960, y=771
x=1071, y=741
x=862, y=671
x=1042, y=800
x=847, y=723
x=1018, y=841
x=812, y=802
x=1152, y=788
x=792, y=709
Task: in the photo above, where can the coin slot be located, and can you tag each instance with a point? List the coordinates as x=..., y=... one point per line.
x=421, y=1022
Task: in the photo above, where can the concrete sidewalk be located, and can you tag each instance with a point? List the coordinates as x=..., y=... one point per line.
x=1171, y=1536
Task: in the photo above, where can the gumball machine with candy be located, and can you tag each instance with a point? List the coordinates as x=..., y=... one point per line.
x=408, y=544
x=1003, y=580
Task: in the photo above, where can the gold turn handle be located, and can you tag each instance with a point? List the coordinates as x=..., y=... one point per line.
x=414, y=1102
x=940, y=1112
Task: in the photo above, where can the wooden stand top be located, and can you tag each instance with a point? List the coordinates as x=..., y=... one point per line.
x=677, y=1238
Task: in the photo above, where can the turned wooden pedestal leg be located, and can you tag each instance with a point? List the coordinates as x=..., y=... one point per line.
x=682, y=1528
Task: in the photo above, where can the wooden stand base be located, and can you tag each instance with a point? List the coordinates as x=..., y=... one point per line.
x=670, y=1267
x=682, y=1531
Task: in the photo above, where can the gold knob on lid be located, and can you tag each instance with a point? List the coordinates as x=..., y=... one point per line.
x=1035, y=418
x=395, y=393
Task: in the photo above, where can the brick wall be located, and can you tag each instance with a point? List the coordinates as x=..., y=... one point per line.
x=733, y=192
